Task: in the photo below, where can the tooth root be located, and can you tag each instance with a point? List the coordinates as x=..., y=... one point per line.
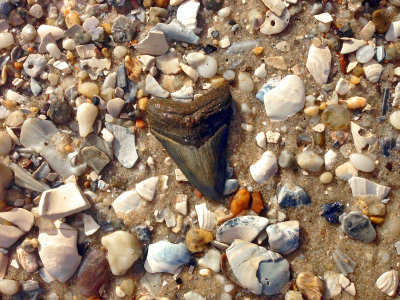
x=204, y=166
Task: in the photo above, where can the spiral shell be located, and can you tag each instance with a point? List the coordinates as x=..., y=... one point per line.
x=388, y=282
x=373, y=71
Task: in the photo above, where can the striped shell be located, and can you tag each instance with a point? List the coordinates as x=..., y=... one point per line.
x=388, y=282
x=373, y=71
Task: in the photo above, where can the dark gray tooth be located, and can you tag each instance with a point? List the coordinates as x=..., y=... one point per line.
x=195, y=135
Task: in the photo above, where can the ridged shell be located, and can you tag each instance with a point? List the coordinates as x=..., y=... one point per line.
x=373, y=71
x=283, y=237
x=319, y=63
x=388, y=282
x=244, y=228
x=259, y=270
x=207, y=219
x=165, y=256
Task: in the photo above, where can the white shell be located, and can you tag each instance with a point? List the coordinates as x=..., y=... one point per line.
x=286, y=99
x=365, y=54
x=284, y=237
x=351, y=45
x=187, y=14
x=360, y=142
x=22, y=221
x=388, y=282
x=393, y=32
x=89, y=224
x=264, y=168
x=343, y=87
x=207, y=219
x=276, y=6
x=319, y=63
x=274, y=24
x=246, y=228
x=361, y=186
x=147, y=188
x=207, y=68
x=373, y=71
x=153, y=88
x=153, y=44
x=362, y=162
x=324, y=17
x=126, y=202
x=245, y=260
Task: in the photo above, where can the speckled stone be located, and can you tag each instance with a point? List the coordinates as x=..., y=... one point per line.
x=381, y=19
x=123, y=29
x=60, y=112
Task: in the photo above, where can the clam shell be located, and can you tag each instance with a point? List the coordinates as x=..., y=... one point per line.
x=259, y=270
x=319, y=63
x=388, y=282
x=207, y=219
x=373, y=71
x=284, y=237
x=164, y=256
x=245, y=228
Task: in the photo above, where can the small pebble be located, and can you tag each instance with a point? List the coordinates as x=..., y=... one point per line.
x=395, y=119
x=114, y=107
x=357, y=226
x=197, y=239
x=362, y=162
x=245, y=83
x=208, y=68
x=9, y=287
x=28, y=33
x=309, y=161
x=332, y=211
x=326, y=177
x=310, y=285
x=286, y=159
x=240, y=202
x=5, y=143
x=88, y=89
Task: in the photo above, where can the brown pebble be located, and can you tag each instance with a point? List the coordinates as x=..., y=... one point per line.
x=258, y=50
x=162, y=3
x=257, y=204
x=377, y=220
x=106, y=52
x=240, y=201
x=310, y=285
x=107, y=27
x=71, y=18
x=132, y=64
x=381, y=19
x=198, y=239
x=142, y=103
x=9, y=104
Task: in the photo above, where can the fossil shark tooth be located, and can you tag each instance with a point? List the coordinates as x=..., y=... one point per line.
x=195, y=136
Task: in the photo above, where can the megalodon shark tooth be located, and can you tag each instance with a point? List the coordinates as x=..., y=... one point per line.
x=195, y=135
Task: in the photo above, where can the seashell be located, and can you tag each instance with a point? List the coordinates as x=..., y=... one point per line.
x=245, y=228
x=264, y=168
x=167, y=257
x=292, y=195
x=207, y=219
x=319, y=63
x=25, y=180
x=274, y=24
x=153, y=88
x=345, y=264
x=351, y=45
x=284, y=237
x=276, y=6
x=324, y=17
x=286, y=99
x=363, y=187
x=195, y=136
x=388, y=282
x=187, y=14
x=343, y=87
x=356, y=102
x=27, y=260
x=175, y=31
x=89, y=224
x=185, y=94
x=153, y=44
x=147, y=188
x=126, y=202
x=373, y=71
x=168, y=63
x=393, y=32
x=380, y=53
x=360, y=142
x=257, y=269
x=365, y=54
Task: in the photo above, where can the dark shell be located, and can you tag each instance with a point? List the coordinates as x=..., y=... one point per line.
x=195, y=136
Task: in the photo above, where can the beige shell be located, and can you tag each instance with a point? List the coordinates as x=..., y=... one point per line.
x=207, y=219
x=360, y=142
x=319, y=63
x=388, y=282
x=356, y=102
x=373, y=71
x=274, y=24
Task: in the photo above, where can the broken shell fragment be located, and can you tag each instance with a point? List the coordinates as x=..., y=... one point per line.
x=388, y=282
x=147, y=188
x=195, y=136
x=345, y=264
x=360, y=142
x=284, y=237
x=363, y=187
x=257, y=269
x=167, y=257
x=154, y=44
x=274, y=24
x=264, y=168
x=207, y=219
x=292, y=195
x=319, y=63
x=245, y=228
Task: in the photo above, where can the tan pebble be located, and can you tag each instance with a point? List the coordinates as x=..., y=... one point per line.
x=197, y=239
x=258, y=50
x=106, y=52
x=322, y=106
x=215, y=42
x=356, y=102
x=5, y=143
x=9, y=104
x=88, y=89
x=107, y=27
x=310, y=285
x=3, y=75
x=217, y=82
x=240, y=201
x=16, y=118
x=377, y=220
x=354, y=79
x=71, y=18
x=139, y=93
x=142, y=103
x=147, y=3
x=312, y=111
x=326, y=177
x=132, y=64
x=378, y=209
x=128, y=286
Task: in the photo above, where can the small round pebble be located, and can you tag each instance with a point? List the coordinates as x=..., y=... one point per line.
x=326, y=177
x=28, y=33
x=120, y=52
x=395, y=119
x=229, y=75
x=6, y=40
x=246, y=84
x=114, y=106
x=362, y=162
x=36, y=11
x=208, y=68
x=88, y=89
x=5, y=143
x=60, y=112
x=9, y=287
x=286, y=159
x=309, y=161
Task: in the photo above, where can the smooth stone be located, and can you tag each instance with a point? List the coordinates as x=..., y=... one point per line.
x=15, y=119
x=6, y=40
x=147, y=188
x=93, y=273
x=357, y=226
x=58, y=250
x=120, y=51
x=332, y=211
x=34, y=65
x=207, y=68
x=286, y=159
x=365, y=54
x=309, y=161
x=245, y=83
x=123, y=249
x=264, y=168
x=88, y=89
x=211, y=260
x=362, y=162
x=294, y=295
x=310, y=285
x=86, y=115
x=393, y=32
x=28, y=33
x=55, y=31
x=395, y=119
x=5, y=143
x=346, y=171
x=286, y=99
x=291, y=195
x=63, y=201
x=126, y=202
x=274, y=24
x=9, y=287
x=114, y=106
x=326, y=177
x=381, y=19
x=6, y=177
x=36, y=11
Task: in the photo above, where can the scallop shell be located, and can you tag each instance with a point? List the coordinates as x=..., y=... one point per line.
x=245, y=228
x=259, y=270
x=283, y=237
x=319, y=63
x=388, y=282
x=165, y=256
x=373, y=71
x=207, y=219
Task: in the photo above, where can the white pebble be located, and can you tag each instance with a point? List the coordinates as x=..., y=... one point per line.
x=5, y=143
x=309, y=161
x=225, y=42
x=53, y=51
x=9, y=287
x=228, y=75
x=330, y=159
x=261, y=140
x=6, y=40
x=264, y=168
x=365, y=54
x=114, y=106
x=261, y=72
x=69, y=44
x=119, y=292
x=245, y=82
x=395, y=119
x=208, y=68
x=86, y=115
x=36, y=11
x=224, y=12
x=120, y=52
x=28, y=33
x=362, y=162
